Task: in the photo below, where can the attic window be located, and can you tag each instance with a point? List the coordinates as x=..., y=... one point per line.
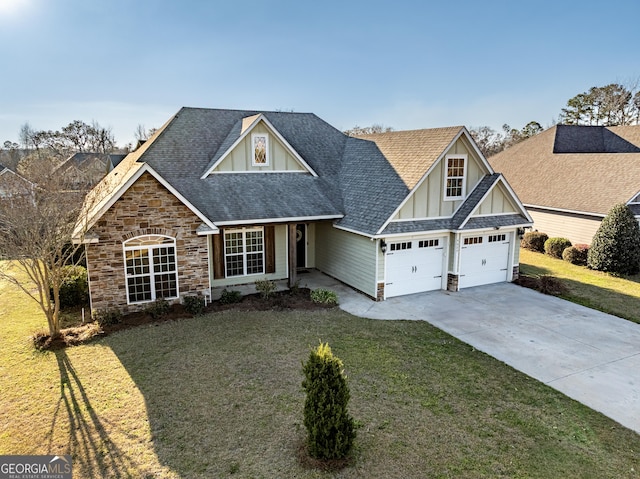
x=260, y=149
x=455, y=177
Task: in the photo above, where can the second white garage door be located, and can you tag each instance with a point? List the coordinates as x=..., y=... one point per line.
x=414, y=266
x=484, y=259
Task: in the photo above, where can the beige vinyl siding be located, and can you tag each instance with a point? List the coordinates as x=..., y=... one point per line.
x=578, y=229
x=281, y=272
x=240, y=158
x=348, y=257
x=427, y=200
x=496, y=202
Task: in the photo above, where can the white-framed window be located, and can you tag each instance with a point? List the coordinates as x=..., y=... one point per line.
x=454, y=180
x=432, y=243
x=497, y=238
x=260, y=149
x=244, y=251
x=473, y=240
x=400, y=246
x=150, y=268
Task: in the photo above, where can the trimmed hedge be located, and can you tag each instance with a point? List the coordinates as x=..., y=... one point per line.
x=576, y=254
x=74, y=290
x=556, y=246
x=534, y=241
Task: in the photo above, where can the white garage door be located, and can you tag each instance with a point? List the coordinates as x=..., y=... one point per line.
x=414, y=266
x=484, y=259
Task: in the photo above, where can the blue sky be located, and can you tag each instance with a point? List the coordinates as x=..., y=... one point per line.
x=405, y=64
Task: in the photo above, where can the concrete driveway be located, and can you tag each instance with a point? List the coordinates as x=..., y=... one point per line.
x=590, y=356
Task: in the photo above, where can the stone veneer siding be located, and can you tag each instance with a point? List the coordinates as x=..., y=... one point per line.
x=146, y=207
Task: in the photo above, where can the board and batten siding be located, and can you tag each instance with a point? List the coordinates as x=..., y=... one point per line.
x=496, y=202
x=240, y=158
x=349, y=257
x=282, y=269
x=577, y=229
x=427, y=200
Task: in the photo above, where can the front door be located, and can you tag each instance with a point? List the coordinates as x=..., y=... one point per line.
x=301, y=245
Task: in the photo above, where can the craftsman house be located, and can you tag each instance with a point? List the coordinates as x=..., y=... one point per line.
x=217, y=198
x=569, y=177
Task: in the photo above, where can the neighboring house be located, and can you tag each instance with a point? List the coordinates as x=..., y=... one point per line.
x=569, y=177
x=85, y=170
x=13, y=184
x=217, y=198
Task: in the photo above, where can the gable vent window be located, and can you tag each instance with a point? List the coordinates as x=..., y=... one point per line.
x=400, y=246
x=455, y=177
x=428, y=243
x=473, y=240
x=260, y=149
x=151, y=268
x=244, y=251
x=497, y=238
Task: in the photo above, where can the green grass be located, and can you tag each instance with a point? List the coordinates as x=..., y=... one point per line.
x=220, y=396
x=619, y=296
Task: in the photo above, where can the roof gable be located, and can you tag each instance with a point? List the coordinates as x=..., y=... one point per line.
x=235, y=154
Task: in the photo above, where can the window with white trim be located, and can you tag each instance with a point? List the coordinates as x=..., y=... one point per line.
x=400, y=246
x=454, y=182
x=150, y=268
x=473, y=240
x=260, y=149
x=497, y=238
x=432, y=243
x=244, y=251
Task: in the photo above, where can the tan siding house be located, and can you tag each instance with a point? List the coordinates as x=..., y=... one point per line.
x=569, y=177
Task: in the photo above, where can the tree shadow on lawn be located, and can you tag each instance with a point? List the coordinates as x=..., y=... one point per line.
x=595, y=297
x=92, y=450
x=220, y=400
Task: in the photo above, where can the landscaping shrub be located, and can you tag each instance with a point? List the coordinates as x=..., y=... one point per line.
x=556, y=246
x=550, y=285
x=265, y=287
x=74, y=290
x=107, y=317
x=324, y=296
x=616, y=244
x=158, y=308
x=193, y=304
x=331, y=430
x=576, y=254
x=230, y=297
x=534, y=241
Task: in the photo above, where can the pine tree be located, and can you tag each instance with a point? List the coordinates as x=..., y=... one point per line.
x=616, y=244
x=330, y=428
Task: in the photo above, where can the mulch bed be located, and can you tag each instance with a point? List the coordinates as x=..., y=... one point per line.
x=298, y=299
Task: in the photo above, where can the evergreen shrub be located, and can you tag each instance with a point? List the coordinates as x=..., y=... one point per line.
x=330, y=428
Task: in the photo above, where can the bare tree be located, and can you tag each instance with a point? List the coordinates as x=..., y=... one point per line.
x=36, y=226
x=142, y=134
x=368, y=130
x=488, y=140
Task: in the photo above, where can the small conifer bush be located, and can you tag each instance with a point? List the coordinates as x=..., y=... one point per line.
x=616, y=244
x=534, y=241
x=194, y=304
x=330, y=428
x=556, y=246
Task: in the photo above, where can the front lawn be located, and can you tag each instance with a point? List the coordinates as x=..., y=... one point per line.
x=614, y=295
x=220, y=396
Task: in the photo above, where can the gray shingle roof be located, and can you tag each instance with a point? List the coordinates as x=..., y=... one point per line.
x=357, y=183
